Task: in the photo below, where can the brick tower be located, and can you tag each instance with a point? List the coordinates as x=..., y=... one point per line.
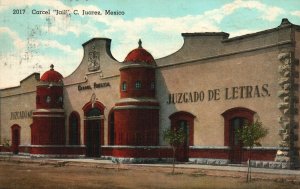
x=48, y=128
x=137, y=111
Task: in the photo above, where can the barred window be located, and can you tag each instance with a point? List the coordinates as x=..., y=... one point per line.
x=138, y=84
x=124, y=86
x=48, y=99
x=60, y=99
x=152, y=86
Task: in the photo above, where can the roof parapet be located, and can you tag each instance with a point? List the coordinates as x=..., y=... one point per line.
x=103, y=44
x=285, y=22
x=206, y=34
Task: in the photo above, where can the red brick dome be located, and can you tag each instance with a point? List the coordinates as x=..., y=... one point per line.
x=51, y=75
x=139, y=55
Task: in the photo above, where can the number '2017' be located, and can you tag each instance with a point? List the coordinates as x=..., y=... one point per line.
x=18, y=11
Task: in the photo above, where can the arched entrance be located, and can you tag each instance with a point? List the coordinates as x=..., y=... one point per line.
x=184, y=120
x=93, y=128
x=234, y=119
x=15, y=138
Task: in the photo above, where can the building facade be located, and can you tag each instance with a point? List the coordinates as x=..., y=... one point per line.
x=119, y=110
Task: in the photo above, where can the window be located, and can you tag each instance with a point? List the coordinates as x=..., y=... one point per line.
x=233, y=120
x=60, y=99
x=184, y=125
x=229, y=116
x=184, y=120
x=138, y=84
x=124, y=86
x=74, y=133
x=94, y=112
x=152, y=86
x=236, y=124
x=48, y=99
x=111, y=131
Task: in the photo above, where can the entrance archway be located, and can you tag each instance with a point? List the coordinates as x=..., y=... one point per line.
x=233, y=120
x=93, y=128
x=15, y=138
x=183, y=120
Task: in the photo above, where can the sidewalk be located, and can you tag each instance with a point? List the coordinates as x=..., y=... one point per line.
x=230, y=168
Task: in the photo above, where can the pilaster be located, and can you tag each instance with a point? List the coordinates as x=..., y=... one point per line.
x=288, y=106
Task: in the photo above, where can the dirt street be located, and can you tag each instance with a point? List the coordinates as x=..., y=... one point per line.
x=14, y=175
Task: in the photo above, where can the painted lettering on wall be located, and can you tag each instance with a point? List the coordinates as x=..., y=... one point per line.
x=230, y=93
x=21, y=114
x=95, y=86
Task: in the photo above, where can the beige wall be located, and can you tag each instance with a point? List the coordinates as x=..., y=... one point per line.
x=75, y=100
x=25, y=102
x=17, y=99
x=255, y=68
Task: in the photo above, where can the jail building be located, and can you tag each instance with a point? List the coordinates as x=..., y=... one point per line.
x=209, y=87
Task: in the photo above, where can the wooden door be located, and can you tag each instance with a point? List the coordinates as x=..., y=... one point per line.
x=236, y=145
x=182, y=154
x=15, y=140
x=93, y=138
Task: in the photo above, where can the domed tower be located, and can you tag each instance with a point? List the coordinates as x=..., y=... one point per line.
x=48, y=126
x=137, y=112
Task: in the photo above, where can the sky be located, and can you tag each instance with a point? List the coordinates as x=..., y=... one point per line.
x=31, y=42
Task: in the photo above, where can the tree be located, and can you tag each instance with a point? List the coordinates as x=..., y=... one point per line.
x=175, y=137
x=250, y=134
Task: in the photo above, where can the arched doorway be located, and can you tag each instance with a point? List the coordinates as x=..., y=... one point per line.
x=234, y=119
x=15, y=138
x=93, y=128
x=184, y=120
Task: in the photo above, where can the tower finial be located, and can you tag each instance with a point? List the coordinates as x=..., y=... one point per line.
x=140, y=43
x=51, y=67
